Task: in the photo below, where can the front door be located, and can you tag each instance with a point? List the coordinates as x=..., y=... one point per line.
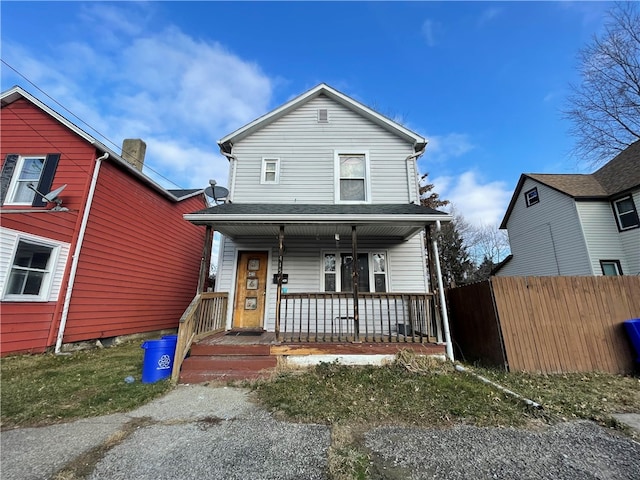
x=251, y=288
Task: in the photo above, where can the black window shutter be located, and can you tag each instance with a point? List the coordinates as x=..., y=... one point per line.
x=5, y=177
x=46, y=178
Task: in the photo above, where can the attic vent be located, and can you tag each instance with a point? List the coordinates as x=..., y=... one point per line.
x=323, y=115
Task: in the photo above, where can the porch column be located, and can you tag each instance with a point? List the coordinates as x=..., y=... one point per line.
x=354, y=275
x=433, y=282
x=279, y=289
x=443, y=306
x=205, y=263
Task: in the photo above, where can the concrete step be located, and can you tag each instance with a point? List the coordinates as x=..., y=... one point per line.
x=203, y=349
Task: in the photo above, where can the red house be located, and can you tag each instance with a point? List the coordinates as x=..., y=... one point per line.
x=90, y=247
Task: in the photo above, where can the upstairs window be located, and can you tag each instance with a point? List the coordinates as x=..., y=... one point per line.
x=270, y=170
x=323, y=115
x=18, y=172
x=352, y=177
x=531, y=197
x=27, y=171
x=611, y=267
x=626, y=213
x=30, y=276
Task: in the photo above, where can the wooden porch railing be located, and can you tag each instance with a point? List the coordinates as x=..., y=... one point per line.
x=205, y=315
x=383, y=317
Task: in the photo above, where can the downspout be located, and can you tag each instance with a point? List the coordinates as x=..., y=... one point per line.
x=233, y=160
x=415, y=181
x=443, y=306
x=76, y=253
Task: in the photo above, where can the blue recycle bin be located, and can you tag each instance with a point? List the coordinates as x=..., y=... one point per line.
x=158, y=359
x=633, y=330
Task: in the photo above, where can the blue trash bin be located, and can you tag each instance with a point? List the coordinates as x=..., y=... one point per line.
x=633, y=330
x=158, y=359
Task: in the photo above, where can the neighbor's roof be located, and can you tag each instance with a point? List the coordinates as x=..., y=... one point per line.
x=616, y=177
x=323, y=89
x=17, y=93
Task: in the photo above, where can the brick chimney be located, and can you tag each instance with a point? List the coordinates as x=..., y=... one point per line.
x=133, y=150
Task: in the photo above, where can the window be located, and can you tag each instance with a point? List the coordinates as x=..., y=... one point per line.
x=28, y=171
x=626, y=213
x=323, y=115
x=270, y=170
x=30, y=274
x=18, y=172
x=352, y=177
x=338, y=271
x=531, y=197
x=611, y=267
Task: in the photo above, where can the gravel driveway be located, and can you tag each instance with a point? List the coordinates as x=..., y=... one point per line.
x=217, y=433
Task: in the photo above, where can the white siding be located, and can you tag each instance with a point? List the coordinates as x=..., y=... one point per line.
x=8, y=241
x=546, y=238
x=303, y=263
x=601, y=234
x=306, y=152
x=631, y=244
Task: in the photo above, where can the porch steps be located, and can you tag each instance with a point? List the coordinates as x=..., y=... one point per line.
x=226, y=362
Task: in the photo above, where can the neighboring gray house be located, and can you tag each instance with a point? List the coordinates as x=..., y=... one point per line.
x=566, y=224
x=312, y=182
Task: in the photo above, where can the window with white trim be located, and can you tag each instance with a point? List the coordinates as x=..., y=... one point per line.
x=270, y=170
x=30, y=276
x=352, y=177
x=611, y=267
x=338, y=271
x=531, y=196
x=27, y=171
x=626, y=213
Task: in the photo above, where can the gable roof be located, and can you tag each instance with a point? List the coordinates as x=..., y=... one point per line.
x=16, y=93
x=418, y=141
x=616, y=177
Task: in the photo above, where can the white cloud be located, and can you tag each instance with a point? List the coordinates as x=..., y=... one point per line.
x=442, y=148
x=177, y=93
x=487, y=15
x=479, y=203
x=429, y=28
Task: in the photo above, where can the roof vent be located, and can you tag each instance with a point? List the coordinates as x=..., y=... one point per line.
x=323, y=115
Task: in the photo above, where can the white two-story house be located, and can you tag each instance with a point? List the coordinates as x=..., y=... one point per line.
x=322, y=230
x=571, y=224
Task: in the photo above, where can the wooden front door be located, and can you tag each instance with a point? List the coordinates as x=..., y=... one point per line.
x=251, y=288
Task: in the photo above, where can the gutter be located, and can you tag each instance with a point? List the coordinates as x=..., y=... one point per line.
x=76, y=253
x=233, y=160
x=312, y=219
x=409, y=161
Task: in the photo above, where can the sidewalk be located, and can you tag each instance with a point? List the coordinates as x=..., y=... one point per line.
x=197, y=432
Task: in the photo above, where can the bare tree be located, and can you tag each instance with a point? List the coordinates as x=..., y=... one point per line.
x=605, y=107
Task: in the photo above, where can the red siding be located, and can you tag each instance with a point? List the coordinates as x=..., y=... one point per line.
x=139, y=263
x=27, y=130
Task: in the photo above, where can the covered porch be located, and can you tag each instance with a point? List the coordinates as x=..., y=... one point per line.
x=348, y=309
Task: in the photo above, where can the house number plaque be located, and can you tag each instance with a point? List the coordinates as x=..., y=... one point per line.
x=251, y=303
x=252, y=284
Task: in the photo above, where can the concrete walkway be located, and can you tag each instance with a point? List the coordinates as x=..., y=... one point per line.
x=197, y=432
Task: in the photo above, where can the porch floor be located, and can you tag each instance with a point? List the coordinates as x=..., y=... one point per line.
x=238, y=355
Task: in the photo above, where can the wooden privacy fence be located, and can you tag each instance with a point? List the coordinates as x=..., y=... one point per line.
x=546, y=324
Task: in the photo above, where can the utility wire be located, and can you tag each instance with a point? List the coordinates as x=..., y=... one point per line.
x=84, y=122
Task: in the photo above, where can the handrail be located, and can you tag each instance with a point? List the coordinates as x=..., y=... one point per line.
x=205, y=315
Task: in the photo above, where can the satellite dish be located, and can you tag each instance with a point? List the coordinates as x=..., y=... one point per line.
x=54, y=194
x=216, y=192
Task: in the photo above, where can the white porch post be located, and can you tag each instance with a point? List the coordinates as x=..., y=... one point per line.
x=443, y=306
x=354, y=273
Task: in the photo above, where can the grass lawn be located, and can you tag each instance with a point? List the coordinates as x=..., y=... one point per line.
x=46, y=389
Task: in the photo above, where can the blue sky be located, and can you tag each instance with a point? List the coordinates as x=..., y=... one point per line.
x=485, y=82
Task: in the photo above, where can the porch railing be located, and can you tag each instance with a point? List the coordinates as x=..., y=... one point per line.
x=205, y=315
x=383, y=317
